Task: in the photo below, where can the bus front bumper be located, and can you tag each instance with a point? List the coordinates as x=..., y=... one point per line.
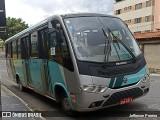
x=111, y=97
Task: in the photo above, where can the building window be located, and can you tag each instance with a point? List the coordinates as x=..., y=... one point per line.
x=127, y=21
x=118, y=12
x=138, y=6
x=118, y=1
x=147, y=30
x=148, y=3
x=125, y=8
x=137, y=32
x=138, y=20
x=130, y=7
x=147, y=18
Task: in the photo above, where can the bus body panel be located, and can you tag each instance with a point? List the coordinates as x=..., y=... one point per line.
x=55, y=76
x=71, y=79
x=10, y=69
x=19, y=70
x=58, y=75
x=128, y=79
x=36, y=74
x=26, y=72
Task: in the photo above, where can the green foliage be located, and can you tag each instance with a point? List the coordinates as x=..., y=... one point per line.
x=1, y=43
x=13, y=27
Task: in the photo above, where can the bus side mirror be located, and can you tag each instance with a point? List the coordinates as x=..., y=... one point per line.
x=59, y=33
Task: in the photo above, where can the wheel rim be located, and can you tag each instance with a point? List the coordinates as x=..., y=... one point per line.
x=66, y=104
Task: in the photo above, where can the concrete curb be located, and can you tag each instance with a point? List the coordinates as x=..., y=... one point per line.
x=154, y=74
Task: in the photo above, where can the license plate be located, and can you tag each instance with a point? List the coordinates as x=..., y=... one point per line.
x=126, y=100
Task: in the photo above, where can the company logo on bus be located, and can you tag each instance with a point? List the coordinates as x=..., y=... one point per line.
x=125, y=80
x=121, y=63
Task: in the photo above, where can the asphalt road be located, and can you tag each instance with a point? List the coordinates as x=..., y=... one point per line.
x=36, y=102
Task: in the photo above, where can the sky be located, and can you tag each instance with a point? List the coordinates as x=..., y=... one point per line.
x=33, y=11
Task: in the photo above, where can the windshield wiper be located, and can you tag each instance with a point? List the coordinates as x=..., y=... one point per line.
x=108, y=47
x=118, y=40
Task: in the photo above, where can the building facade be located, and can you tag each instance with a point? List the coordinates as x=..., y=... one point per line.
x=150, y=46
x=140, y=15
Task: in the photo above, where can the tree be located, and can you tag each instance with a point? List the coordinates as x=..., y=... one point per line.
x=1, y=44
x=14, y=26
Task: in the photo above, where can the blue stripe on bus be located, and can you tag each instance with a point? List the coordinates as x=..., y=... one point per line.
x=134, y=78
x=131, y=79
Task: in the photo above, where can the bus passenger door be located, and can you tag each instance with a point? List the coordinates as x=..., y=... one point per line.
x=42, y=39
x=54, y=62
x=35, y=64
x=58, y=57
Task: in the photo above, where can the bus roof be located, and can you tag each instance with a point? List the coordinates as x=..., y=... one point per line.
x=84, y=15
x=32, y=28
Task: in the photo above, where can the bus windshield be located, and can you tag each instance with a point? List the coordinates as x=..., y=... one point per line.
x=92, y=44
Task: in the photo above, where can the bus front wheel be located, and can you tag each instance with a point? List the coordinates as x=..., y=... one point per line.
x=66, y=106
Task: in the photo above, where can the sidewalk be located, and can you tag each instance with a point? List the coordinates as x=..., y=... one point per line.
x=2, y=55
x=11, y=103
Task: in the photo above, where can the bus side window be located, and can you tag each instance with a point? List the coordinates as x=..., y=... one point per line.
x=58, y=46
x=54, y=48
x=19, y=49
x=25, y=48
x=14, y=49
x=34, y=45
x=42, y=39
x=8, y=51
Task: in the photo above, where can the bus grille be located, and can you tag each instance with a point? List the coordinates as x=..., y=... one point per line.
x=116, y=97
x=115, y=71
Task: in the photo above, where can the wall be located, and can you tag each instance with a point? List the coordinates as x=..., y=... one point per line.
x=157, y=14
x=152, y=55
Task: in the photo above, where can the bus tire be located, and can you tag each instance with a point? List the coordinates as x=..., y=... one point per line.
x=20, y=86
x=66, y=106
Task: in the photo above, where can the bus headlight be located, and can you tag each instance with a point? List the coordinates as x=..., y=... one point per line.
x=93, y=88
x=145, y=78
